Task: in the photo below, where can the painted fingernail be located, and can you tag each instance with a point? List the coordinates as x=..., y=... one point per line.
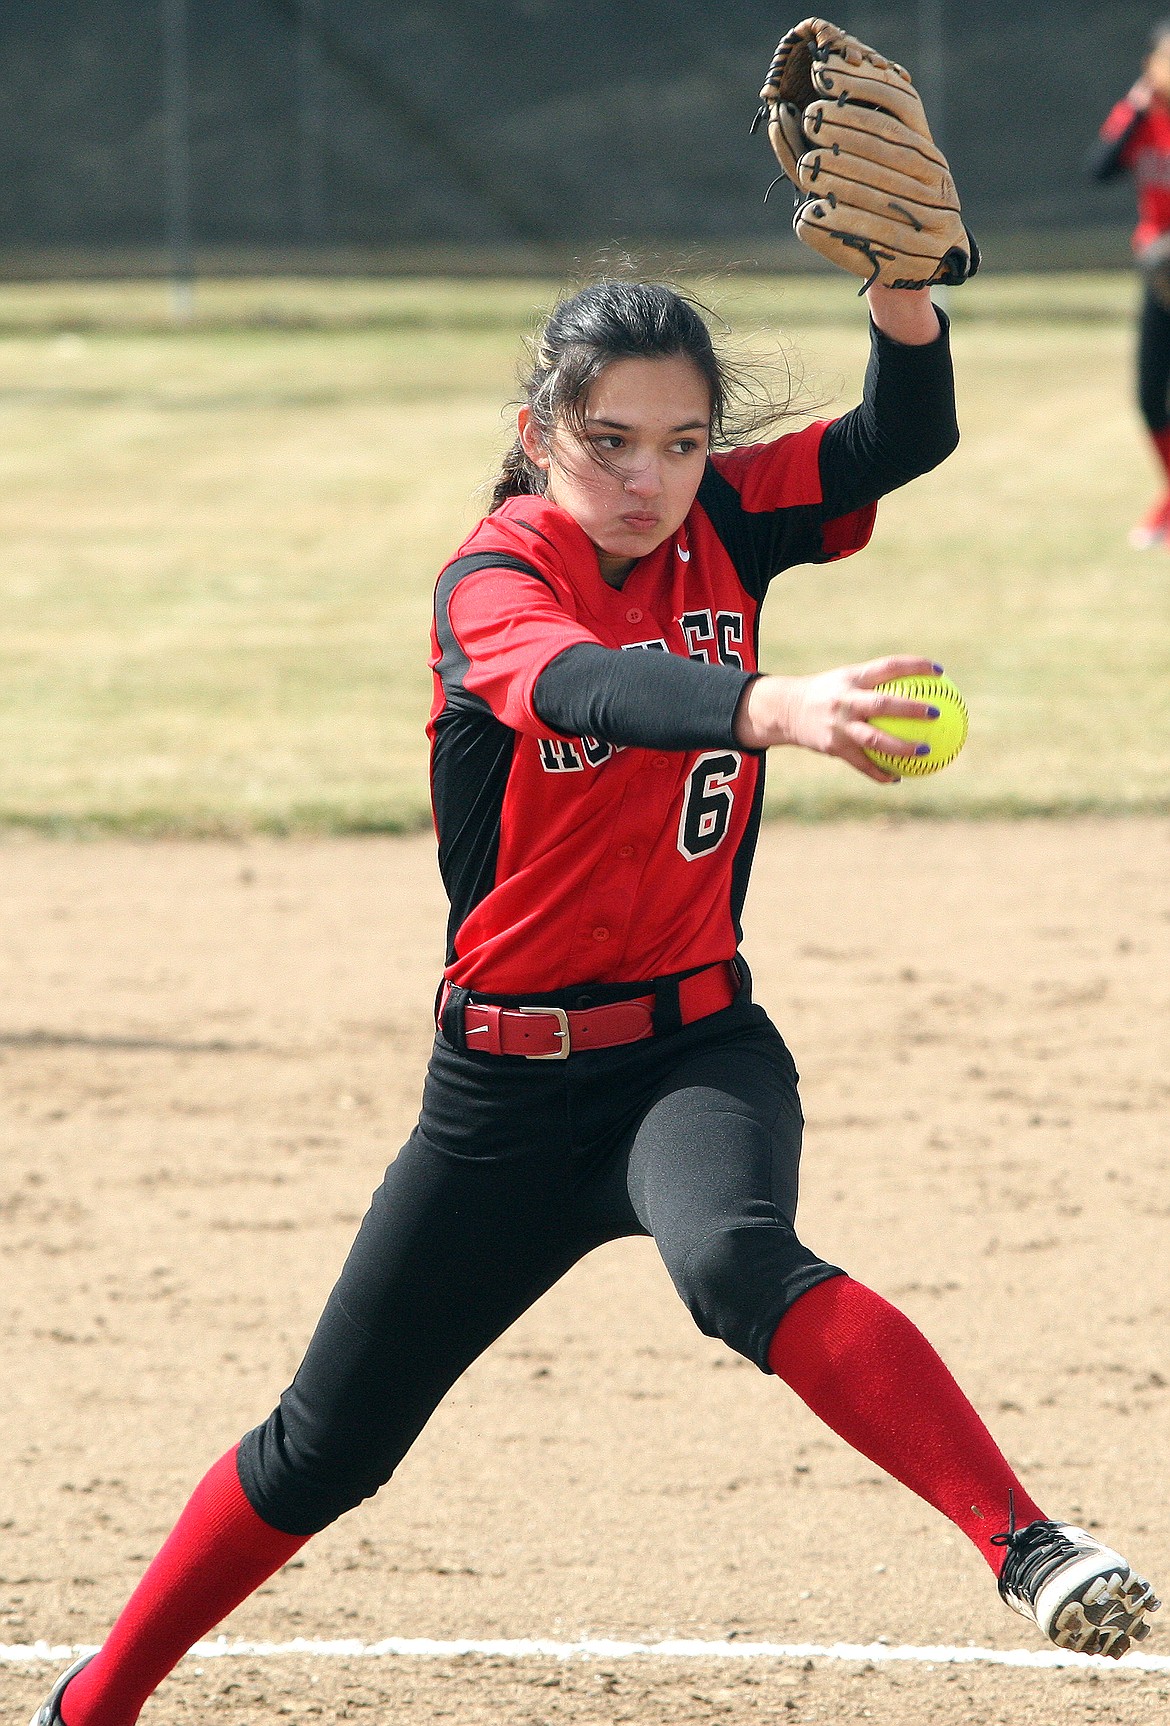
x=938, y=667
x=922, y=749
x=933, y=712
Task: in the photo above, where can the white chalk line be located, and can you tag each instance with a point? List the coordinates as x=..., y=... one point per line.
x=604, y=1648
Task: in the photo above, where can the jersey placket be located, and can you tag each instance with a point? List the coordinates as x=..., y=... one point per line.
x=646, y=807
x=643, y=813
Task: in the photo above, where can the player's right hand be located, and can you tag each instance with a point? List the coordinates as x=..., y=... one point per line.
x=832, y=712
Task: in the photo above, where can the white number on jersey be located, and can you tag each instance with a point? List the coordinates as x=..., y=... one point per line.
x=707, y=803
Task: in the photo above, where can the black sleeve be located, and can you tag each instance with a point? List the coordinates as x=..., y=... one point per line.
x=1104, y=159
x=904, y=425
x=640, y=698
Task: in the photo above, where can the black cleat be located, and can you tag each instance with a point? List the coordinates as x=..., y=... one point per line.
x=1082, y=1595
x=49, y=1712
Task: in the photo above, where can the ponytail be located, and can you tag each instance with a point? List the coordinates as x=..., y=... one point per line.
x=518, y=477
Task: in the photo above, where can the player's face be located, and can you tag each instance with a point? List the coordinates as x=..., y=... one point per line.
x=632, y=478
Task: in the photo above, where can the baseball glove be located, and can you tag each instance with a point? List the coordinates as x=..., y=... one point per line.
x=874, y=192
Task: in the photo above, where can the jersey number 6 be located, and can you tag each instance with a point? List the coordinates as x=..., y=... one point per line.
x=707, y=803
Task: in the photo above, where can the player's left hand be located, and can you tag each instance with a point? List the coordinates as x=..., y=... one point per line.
x=832, y=712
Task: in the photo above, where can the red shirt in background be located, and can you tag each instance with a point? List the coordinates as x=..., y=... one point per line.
x=1146, y=155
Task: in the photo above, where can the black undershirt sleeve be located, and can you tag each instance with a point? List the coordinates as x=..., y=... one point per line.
x=1104, y=159
x=904, y=425
x=641, y=698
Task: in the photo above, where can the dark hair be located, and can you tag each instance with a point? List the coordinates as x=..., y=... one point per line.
x=614, y=320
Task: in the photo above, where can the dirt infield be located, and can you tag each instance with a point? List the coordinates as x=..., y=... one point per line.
x=207, y=1053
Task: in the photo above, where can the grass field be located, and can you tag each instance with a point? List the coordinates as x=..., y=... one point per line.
x=220, y=543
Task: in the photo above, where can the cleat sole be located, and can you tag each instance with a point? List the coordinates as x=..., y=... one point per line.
x=1108, y=1613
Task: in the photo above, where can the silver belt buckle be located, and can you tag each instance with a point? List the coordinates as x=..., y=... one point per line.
x=562, y=1030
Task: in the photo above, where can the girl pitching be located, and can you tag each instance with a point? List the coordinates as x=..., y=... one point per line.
x=599, y=736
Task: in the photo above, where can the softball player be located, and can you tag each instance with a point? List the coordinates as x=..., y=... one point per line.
x=600, y=1069
x=1135, y=139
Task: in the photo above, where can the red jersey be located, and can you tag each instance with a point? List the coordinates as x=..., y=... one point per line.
x=593, y=860
x=596, y=819
x=1145, y=153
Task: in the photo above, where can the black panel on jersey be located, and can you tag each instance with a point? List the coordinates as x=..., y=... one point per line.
x=471, y=758
x=760, y=543
x=904, y=425
x=741, y=868
x=647, y=700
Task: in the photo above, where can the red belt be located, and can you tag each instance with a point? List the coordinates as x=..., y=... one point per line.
x=555, y=1033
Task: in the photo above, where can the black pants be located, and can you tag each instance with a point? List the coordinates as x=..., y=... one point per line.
x=1154, y=362
x=517, y=1169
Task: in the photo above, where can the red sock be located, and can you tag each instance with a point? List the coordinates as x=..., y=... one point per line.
x=872, y=1376
x=216, y=1554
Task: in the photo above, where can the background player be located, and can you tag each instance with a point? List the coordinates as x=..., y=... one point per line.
x=1135, y=139
x=600, y=1069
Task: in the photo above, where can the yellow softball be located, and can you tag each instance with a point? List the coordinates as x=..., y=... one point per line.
x=946, y=734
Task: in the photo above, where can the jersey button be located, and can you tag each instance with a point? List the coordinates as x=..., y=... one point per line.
x=625, y=850
x=660, y=761
x=601, y=934
x=634, y=615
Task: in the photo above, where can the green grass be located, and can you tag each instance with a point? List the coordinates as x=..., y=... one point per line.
x=220, y=543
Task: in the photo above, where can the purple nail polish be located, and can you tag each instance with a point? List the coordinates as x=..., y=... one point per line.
x=938, y=668
x=933, y=712
x=922, y=749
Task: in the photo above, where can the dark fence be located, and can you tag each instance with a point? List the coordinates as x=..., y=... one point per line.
x=369, y=134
